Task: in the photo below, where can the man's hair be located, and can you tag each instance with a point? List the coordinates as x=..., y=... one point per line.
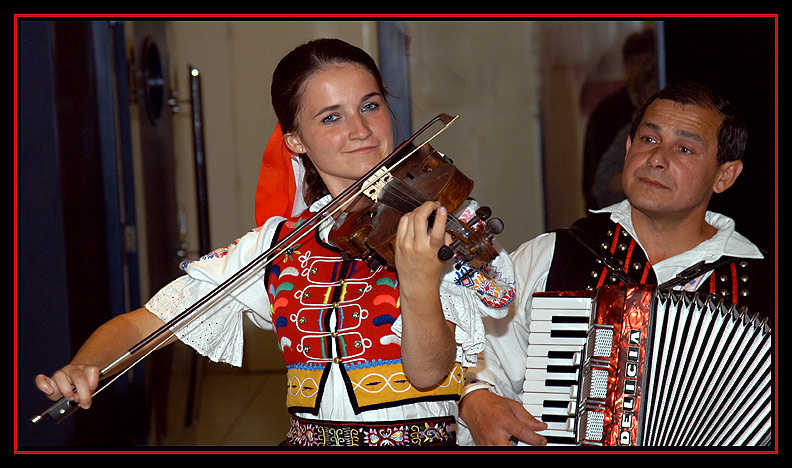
x=732, y=134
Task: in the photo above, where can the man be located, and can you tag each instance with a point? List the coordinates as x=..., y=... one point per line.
x=685, y=145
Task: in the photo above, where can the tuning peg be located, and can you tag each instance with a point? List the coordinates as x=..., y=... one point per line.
x=446, y=252
x=484, y=213
x=495, y=225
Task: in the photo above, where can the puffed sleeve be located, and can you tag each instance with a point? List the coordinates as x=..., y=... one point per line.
x=215, y=329
x=502, y=364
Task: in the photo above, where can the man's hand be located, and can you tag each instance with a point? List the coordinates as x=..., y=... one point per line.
x=495, y=420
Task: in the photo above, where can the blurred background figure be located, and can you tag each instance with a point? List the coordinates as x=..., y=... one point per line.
x=606, y=188
x=639, y=55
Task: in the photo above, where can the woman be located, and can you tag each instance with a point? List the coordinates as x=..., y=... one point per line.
x=373, y=358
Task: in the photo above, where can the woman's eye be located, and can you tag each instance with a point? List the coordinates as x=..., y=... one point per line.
x=369, y=106
x=331, y=118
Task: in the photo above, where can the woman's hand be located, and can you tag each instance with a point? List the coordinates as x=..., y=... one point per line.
x=75, y=382
x=416, y=248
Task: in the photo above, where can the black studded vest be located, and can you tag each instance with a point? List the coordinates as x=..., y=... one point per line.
x=595, y=251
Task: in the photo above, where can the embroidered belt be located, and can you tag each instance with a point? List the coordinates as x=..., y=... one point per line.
x=414, y=433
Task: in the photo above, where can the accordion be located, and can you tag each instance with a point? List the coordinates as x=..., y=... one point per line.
x=638, y=366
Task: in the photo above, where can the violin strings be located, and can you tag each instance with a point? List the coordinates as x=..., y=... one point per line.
x=399, y=191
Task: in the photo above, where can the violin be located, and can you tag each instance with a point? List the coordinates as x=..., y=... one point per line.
x=369, y=232
x=366, y=217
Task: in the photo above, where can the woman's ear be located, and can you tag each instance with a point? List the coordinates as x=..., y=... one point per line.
x=294, y=143
x=727, y=175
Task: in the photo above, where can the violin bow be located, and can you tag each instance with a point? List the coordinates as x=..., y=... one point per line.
x=63, y=408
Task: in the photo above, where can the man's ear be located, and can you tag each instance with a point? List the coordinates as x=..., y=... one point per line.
x=293, y=142
x=627, y=146
x=727, y=175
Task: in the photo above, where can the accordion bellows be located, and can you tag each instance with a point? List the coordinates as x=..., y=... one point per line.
x=668, y=369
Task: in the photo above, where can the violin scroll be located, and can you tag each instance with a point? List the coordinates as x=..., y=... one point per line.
x=483, y=224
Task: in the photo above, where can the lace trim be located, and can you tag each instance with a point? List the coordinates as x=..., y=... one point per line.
x=216, y=334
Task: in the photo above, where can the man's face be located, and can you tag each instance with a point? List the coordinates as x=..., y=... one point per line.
x=671, y=166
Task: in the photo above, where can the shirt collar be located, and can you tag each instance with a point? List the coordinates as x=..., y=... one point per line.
x=324, y=228
x=725, y=242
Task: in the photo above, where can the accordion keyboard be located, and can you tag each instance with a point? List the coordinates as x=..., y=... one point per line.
x=557, y=335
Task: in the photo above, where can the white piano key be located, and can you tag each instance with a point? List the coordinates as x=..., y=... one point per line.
x=531, y=386
x=546, y=339
x=548, y=314
x=561, y=302
x=544, y=349
x=557, y=429
x=535, y=362
x=539, y=411
x=538, y=398
x=542, y=375
x=544, y=326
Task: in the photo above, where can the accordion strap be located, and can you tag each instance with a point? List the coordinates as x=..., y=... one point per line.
x=608, y=259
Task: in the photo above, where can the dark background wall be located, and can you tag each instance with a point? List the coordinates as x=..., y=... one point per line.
x=737, y=58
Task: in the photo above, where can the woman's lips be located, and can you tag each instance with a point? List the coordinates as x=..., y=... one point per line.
x=363, y=150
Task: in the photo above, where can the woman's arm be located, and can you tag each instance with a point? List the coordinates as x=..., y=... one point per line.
x=77, y=380
x=428, y=344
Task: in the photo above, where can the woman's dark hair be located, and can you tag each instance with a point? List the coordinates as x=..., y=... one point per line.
x=732, y=134
x=288, y=85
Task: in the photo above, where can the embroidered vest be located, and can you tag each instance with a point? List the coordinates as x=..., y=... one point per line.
x=578, y=264
x=327, y=311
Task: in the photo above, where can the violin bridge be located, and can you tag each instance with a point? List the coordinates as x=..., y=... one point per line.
x=376, y=183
